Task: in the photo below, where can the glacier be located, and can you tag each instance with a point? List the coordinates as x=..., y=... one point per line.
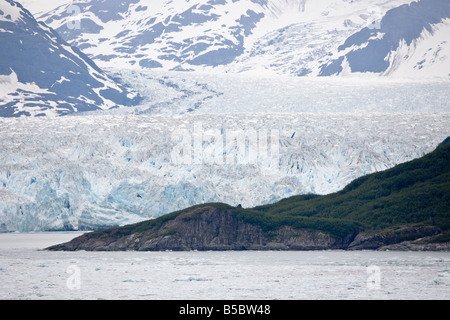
x=111, y=167
x=171, y=92
x=108, y=168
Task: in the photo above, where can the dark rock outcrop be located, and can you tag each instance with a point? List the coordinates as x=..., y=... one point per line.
x=392, y=237
x=214, y=228
x=204, y=228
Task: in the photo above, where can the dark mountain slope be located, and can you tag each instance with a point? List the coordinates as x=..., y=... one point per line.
x=369, y=49
x=41, y=74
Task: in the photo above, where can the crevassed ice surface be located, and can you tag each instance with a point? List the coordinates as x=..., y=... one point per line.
x=85, y=172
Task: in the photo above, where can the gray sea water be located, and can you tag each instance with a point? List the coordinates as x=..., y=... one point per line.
x=28, y=272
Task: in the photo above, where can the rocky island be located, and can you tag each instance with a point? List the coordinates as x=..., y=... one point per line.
x=403, y=208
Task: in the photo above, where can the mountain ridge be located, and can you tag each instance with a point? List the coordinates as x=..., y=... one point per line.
x=41, y=74
x=297, y=37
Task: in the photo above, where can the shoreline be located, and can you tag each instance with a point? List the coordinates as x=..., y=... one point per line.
x=43, y=239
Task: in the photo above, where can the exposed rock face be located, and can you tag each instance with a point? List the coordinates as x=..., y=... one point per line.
x=213, y=228
x=392, y=238
x=206, y=228
x=42, y=75
x=402, y=239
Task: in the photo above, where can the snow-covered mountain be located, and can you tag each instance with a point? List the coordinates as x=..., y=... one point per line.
x=296, y=37
x=416, y=34
x=41, y=74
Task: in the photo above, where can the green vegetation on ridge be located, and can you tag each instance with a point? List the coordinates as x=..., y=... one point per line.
x=415, y=193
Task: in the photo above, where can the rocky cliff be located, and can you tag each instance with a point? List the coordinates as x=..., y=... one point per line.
x=207, y=227
x=213, y=227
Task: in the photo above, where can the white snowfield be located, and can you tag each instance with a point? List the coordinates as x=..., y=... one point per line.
x=170, y=92
x=295, y=37
x=83, y=172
